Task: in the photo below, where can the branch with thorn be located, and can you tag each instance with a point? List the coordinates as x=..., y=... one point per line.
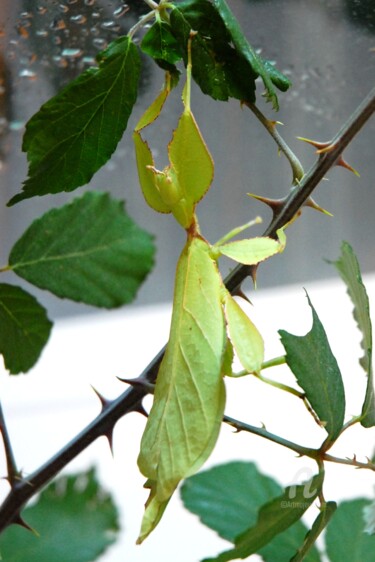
x=22, y=489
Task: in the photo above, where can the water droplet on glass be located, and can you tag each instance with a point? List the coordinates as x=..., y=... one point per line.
x=121, y=11
x=57, y=24
x=89, y=2
x=99, y=43
x=41, y=33
x=16, y=125
x=22, y=31
x=89, y=61
x=95, y=31
x=27, y=73
x=72, y=1
x=60, y=62
x=79, y=19
x=72, y=53
x=108, y=24
x=41, y=10
x=63, y=8
x=57, y=40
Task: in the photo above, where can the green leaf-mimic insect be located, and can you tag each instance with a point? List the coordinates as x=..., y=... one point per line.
x=189, y=397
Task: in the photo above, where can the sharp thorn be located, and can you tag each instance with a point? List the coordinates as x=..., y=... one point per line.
x=341, y=162
x=104, y=401
x=313, y=205
x=109, y=437
x=239, y=293
x=324, y=147
x=320, y=146
x=275, y=205
x=253, y=274
x=140, y=382
x=140, y=410
x=273, y=124
x=22, y=523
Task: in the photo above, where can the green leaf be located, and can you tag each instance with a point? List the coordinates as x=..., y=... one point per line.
x=348, y=267
x=277, y=77
x=319, y=525
x=88, y=251
x=274, y=517
x=24, y=328
x=283, y=546
x=182, y=184
x=189, y=396
x=345, y=538
x=74, y=518
x=217, y=68
x=311, y=360
x=251, y=251
x=228, y=357
x=160, y=43
x=190, y=159
x=227, y=499
x=266, y=71
x=153, y=111
x=146, y=175
x=76, y=131
x=246, y=339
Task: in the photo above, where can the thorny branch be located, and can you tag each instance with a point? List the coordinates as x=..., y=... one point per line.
x=23, y=489
x=316, y=454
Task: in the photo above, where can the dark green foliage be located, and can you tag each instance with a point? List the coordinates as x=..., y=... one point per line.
x=24, y=328
x=74, y=521
x=269, y=75
x=318, y=374
x=228, y=498
x=76, y=131
x=223, y=63
x=88, y=251
x=348, y=267
x=319, y=525
x=160, y=43
x=346, y=539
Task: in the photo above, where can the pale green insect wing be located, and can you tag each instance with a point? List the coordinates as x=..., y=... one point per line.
x=153, y=111
x=146, y=175
x=153, y=512
x=245, y=337
x=189, y=397
x=145, y=161
x=191, y=159
x=251, y=251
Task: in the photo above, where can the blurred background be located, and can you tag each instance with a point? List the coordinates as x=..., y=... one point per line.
x=326, y=47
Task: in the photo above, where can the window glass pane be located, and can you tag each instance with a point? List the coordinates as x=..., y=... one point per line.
x=327, y=47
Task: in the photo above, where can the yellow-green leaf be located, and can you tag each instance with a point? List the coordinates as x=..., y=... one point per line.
x=246, y=340
x=153, y=111
x=191, y=159
x=189, y=397
x=251, y=251
x=146, y=175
